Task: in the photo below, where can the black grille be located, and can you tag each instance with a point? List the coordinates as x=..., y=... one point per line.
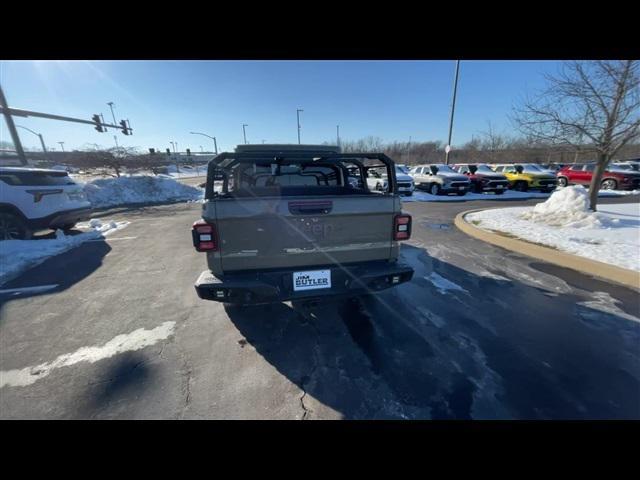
x=404, y=185
x=459, y=184
x=494, y=184
x=547, y=182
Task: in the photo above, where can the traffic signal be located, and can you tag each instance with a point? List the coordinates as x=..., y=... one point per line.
x=125, y=129
x=96, y=119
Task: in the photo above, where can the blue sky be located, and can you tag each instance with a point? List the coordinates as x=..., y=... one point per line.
x=165, y=100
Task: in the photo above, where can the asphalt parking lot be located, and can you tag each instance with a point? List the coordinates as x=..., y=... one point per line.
x=122, y=334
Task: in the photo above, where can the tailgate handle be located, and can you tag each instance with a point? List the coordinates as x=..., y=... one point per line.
x=310, y=208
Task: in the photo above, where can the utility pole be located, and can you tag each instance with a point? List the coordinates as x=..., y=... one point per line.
x=453, y=108
x=244, y=132
x=62, y=145
x=12, y=129
x=298, y=115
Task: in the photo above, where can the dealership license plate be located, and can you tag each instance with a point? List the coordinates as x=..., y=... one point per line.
x=311, y=280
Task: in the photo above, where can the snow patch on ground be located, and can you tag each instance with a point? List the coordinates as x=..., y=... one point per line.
x=110, y=192
x=16, y=256
x=605, y=303
x=128, y=342
x=442, y=284
x=612, y=235
x=420, y=196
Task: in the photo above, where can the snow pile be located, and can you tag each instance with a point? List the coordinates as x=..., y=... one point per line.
x=17, y=256
x=567, y=207
x=109, y=192
x=611, y=236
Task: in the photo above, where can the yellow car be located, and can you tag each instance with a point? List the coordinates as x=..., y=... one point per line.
x=527, y=176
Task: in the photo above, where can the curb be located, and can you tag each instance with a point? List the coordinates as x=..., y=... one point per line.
x=612, y=273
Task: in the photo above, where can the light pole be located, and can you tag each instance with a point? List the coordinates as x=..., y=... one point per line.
x=174, y=145
x=244, y=132
x=62, y=145
x=44, y=148
x=215, y=142
x=298, y=116
x=111, y=104
x=201, y=149
x=338, y=134
x=453, y=109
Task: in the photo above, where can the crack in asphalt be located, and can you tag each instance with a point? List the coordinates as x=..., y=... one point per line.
x=307, y=321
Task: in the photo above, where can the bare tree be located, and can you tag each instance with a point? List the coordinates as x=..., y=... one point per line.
x=592, y=104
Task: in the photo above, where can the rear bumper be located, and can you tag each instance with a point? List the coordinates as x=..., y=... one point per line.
x=277, y=286
x=59, y=219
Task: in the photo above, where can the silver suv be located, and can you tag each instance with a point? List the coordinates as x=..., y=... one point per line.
x=440, y=179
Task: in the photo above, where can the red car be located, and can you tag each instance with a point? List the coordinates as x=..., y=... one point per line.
x=482, y=178
x=613, y=179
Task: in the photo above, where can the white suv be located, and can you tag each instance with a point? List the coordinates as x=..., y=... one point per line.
x=33, y=199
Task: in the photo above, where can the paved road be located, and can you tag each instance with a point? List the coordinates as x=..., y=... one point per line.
x=123, y=335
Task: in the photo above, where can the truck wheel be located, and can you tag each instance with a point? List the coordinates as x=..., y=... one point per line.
x=563, y=182
x=609, y=184
x=67, y=227
x=12, y=227
x=434, y=189
x=521, y=186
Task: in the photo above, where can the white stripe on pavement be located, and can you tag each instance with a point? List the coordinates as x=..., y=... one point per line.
x=135, y=340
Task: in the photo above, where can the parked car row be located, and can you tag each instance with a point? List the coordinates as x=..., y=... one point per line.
x=440, y=179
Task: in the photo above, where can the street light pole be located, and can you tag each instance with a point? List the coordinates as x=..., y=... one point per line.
x=62, y=145
x=298, y=116
x=44, y=148
x=244, y=132
x=215, y=142
x=12, y=129
x=112, y=114
x=453, y=108
x=338, y=134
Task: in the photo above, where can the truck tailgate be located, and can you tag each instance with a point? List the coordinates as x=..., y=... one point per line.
x=277, y=232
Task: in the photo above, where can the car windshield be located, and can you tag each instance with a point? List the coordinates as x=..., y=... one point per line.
x=620, y=166
x=532, y=168
x=484, y=169
x=441, y=168
x=401, y=170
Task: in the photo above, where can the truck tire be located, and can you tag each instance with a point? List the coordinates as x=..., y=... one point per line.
x=12, y=227
x=563, y=181
x=434, y=189
x=609, y=184
x=67, y=227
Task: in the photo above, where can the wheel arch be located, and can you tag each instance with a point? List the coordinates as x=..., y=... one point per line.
x=10, y=208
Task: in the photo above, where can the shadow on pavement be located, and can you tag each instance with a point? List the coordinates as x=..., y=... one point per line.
x=63, y=270
x=494, y=348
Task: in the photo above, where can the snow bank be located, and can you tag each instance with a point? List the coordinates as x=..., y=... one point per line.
x=568, y=207
x=613, y=236
x=109, y=192
x=17, y=256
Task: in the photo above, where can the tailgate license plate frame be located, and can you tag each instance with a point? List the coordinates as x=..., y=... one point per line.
x=311, y=280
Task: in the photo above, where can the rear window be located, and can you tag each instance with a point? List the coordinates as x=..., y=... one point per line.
x=36, y=179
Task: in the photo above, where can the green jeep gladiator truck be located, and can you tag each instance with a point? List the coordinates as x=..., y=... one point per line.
x=287, y=222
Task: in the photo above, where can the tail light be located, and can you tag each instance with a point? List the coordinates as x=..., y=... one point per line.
x=204, y=235
x=402, y=227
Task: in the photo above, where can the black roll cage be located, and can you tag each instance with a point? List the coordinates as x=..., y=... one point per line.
x=214, y=170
